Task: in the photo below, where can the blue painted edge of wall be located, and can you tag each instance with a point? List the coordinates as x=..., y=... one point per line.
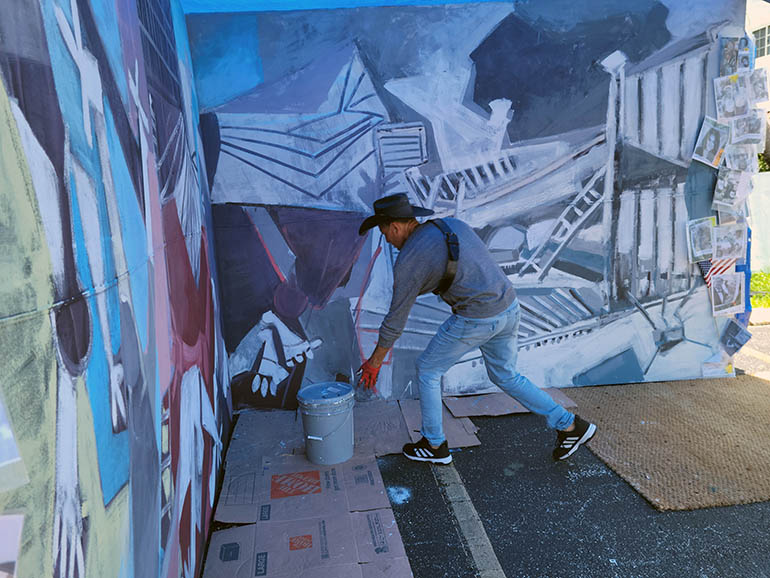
x=207, y=6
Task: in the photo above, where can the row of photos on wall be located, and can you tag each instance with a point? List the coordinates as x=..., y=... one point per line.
x=731, y=143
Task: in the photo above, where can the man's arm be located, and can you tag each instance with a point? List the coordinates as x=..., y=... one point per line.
x=378, y=356
x=370, y=370
x=404, y=296
x=417, y=270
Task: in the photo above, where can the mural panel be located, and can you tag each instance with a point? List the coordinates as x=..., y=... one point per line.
x=115, y=397
x=561, y=131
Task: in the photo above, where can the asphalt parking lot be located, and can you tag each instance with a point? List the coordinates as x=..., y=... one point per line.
x=522, y=515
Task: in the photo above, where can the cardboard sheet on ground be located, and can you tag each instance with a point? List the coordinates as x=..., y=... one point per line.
x=380, y=547
x=492, y=404
x=311, y=548
x=459, y=432
x=379, y=427
x=362, y=544
x=389, y=568
x=291, y=488
x=260, y=433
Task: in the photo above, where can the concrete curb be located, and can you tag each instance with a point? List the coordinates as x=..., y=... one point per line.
x=760, y=316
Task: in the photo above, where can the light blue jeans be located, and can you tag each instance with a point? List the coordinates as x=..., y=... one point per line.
x=497, y=338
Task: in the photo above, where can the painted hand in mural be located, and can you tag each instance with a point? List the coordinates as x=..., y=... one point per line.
x=270, y=373
x=295, y=349
x=270, y=335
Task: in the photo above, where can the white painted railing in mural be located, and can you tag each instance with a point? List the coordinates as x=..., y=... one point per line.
x=476, y=179
x=665, y=101
x=482, y=184
x=652, y=258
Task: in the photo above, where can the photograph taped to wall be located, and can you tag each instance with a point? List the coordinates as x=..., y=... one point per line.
x=731, y=189
x=729, y=218
x=749, y=129
x=732, y=96
x=711, y=142
x=742, y=157
x=758, y=86
x=744, y=62
x=699, y=238
x=734, y=336
x=729, y=241
x=728, y=59
x=745, y=45
x=727, y=294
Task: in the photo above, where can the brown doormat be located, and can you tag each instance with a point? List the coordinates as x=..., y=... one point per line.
x=684, y=444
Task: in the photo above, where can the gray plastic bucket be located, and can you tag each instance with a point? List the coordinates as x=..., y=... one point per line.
x=327, y=418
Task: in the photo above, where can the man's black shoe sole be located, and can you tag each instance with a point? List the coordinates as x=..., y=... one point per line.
x=446, y=460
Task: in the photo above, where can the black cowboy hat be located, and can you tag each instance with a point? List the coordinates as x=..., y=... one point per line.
x=392, y=207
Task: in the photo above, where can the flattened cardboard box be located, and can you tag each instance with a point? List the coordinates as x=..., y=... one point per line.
x=498, y=403
x=380, y=428
x=389, y=568
x=460, y=432
x=380, y=547
x=310, y=548
x=363, y=544
x=259, y=433
x=292, y=488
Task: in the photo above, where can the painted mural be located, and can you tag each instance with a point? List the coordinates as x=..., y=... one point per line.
x=561, y=131
x=114, y=398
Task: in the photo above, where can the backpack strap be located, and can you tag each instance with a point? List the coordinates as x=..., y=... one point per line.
x=453, y=246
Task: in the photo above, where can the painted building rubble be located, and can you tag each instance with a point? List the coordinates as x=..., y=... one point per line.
x=181, y=199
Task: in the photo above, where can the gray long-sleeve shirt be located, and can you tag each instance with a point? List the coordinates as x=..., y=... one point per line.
x=480, y=288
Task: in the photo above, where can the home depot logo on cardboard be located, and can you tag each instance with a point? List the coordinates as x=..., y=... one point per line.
x=295, y=484
x=301, y=542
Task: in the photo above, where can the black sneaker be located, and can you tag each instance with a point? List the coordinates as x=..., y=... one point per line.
x=569, y=441
x=423, y=452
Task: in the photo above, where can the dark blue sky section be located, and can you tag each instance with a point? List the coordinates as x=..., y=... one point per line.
x=563, y=14
x=553, y=76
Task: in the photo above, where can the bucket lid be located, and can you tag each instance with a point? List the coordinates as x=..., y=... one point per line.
x=325, y=392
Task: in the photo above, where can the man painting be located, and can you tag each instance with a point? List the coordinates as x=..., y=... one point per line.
x=449, y=258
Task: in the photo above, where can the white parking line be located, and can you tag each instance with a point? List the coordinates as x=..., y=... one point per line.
x=754, y=353
x=451, y=485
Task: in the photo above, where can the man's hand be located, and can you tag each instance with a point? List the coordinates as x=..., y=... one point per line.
x=369, y=375
x=371, y=369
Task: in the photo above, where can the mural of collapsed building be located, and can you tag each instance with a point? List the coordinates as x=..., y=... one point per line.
x=565, y=143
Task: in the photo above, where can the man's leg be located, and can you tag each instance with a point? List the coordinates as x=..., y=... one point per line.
x=500, y=354
x=450, y=343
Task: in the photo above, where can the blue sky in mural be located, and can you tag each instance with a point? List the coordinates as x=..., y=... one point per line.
x=194, y=6
x=525, y=39
x=227, y=63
